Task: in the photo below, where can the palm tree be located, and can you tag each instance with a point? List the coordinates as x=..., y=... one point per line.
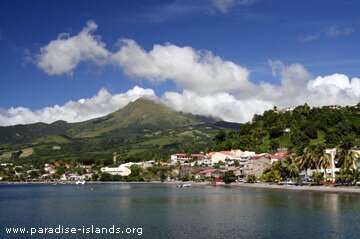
x=304, y=162
x=347, y=159
x=354, y=176
x=321, y=159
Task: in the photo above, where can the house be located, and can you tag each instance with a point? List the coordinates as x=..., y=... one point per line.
x=278, y=156
x=122, y=170
x=222, y=156
x=204, y=173
x=257, y=164
x=186, y=158
x=49, y=168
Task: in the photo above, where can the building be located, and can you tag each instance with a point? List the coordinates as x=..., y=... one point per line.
x=186, y=159
x=278, y=156
x=222, y=156
x=257, y=164
x=122, y=170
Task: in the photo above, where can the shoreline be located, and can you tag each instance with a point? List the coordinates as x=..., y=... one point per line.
x=306, y=188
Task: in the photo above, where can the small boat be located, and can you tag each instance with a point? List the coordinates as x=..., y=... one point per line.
x=80, y=182
x=183, y=185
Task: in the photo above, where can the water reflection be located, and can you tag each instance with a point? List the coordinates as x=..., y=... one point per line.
x=165, y=211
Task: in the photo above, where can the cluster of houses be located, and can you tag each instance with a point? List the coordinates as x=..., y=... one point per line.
x=242, y=163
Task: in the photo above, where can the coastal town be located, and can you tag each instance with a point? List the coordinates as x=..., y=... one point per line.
x=213, y=167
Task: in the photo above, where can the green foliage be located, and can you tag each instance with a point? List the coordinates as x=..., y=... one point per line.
x=186, y=177
x=228, y=177
x=271, y=176
x=251, y=178
x=135, y=173
x=105, y=177
x=318, y=177
x=307, y=126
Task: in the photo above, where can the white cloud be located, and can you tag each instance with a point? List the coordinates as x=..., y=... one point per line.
x=210, y=85
x=308, y=38
x=222, y=105
x=224, y=5
x=74, y=111
x=61, y=56
x=335, y=31
x=187, y=67
x=336, y=86
x=298, y=86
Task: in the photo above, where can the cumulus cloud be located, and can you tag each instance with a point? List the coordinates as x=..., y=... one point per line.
x=298, y=86
x=224, y=5
x=74, y=111
x=222, y=105
x=187, y=67
x=63, y=55
x=208, y=84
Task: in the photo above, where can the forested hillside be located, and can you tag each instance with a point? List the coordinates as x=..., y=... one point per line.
x=295, y=129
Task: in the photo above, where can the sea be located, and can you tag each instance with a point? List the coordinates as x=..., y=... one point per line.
x=160, y=210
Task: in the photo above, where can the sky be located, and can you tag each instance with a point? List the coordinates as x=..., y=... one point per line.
x=77, y=60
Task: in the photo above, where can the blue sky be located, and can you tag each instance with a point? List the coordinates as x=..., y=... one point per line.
x=319, y=36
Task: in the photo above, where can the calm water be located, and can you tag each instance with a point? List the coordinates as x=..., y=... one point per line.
x=164, y=211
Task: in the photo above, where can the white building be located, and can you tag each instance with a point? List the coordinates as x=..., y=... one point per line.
x=122, y=170
x=186, y=159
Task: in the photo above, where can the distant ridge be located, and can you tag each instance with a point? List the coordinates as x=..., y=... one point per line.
x=139, y=115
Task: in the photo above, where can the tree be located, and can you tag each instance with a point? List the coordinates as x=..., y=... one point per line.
x=186, y=177
x=318, y=177
x=105, y=177
x=354, y=176
x=220, y=136
x=251, y=178
x=162, y=177
x=347, y=159
x=228, y=177
x=274, y=145
x=135, y=173
x=304, y=162
x=271, y=176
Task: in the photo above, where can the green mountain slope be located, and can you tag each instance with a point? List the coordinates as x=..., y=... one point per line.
x=136, y=117
x=143, y=129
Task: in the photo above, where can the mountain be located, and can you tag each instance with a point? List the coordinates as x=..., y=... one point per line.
x=137, y=116
x=141, y=127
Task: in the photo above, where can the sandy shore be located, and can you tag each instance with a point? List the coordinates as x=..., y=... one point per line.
x=343, y=189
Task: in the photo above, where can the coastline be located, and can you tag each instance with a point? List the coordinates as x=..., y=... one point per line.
x=327, y=189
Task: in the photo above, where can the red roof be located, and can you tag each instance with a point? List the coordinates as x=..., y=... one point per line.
x=227, y=152
x=277, y=156
x=197, y=155
x=205, y=171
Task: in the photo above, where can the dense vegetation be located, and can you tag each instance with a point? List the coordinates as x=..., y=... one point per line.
x=295, y=130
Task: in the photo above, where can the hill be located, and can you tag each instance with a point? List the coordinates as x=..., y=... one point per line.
x=327, y=126
x=142, y=129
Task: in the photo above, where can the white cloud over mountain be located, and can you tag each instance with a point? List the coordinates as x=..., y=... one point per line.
x=188, y=68
x=209, y=85
x=74, y=111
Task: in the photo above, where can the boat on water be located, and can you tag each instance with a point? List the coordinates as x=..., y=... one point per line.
x=183, y=185
x=80, y=182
